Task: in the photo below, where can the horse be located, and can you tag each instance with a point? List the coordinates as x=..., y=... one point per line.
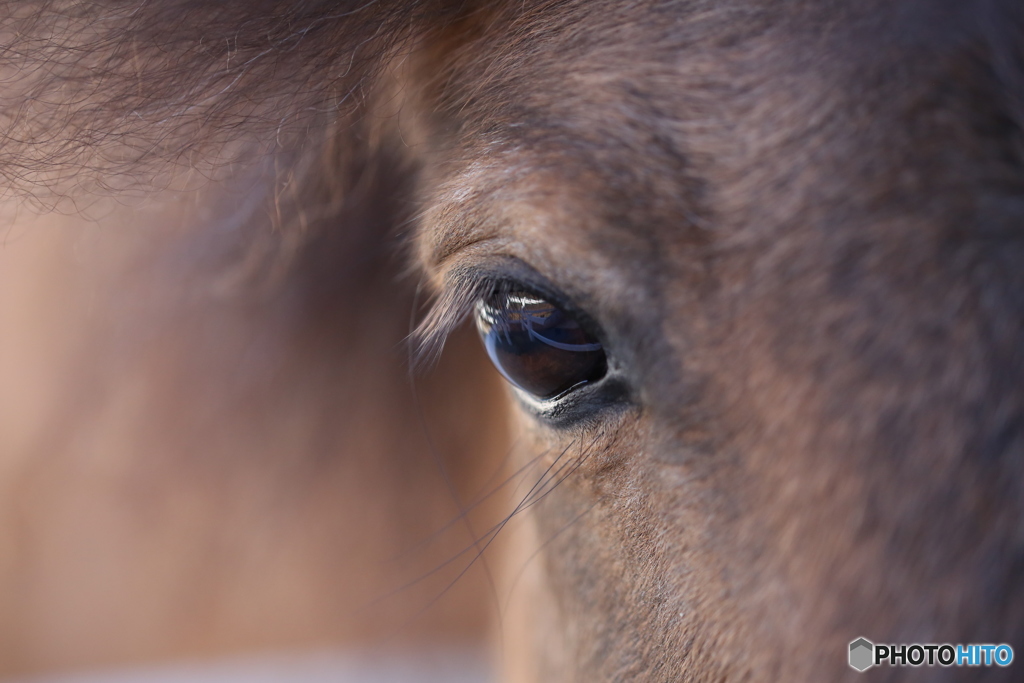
x=749, y=273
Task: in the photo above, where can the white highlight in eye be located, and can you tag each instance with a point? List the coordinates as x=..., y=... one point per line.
x=500, y=317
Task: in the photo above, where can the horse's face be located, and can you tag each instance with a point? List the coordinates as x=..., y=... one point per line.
x=796, y=238
x=754, y=267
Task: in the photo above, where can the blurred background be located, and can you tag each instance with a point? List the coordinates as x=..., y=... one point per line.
x=215, y=464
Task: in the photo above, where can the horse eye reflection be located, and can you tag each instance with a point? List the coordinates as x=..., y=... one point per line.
x=537, y=346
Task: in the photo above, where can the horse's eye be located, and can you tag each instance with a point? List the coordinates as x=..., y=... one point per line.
x=537, y=346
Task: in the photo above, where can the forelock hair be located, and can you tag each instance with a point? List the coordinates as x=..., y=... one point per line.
x=96, y=92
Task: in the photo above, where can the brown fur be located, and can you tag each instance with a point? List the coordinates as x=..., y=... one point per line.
x=796, y=224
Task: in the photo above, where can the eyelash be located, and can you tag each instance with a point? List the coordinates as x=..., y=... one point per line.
x=451, y=309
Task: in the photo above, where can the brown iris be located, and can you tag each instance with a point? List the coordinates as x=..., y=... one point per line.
x=537, y=346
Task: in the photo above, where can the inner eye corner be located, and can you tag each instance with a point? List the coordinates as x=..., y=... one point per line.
x=538, y=345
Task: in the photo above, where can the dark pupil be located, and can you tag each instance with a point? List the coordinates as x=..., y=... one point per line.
x=538, y=346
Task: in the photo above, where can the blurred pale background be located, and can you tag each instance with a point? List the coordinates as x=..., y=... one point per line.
x=206, y=475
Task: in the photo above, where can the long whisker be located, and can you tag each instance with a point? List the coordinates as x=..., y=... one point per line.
x=489, y=534
x=540, y=549
x=528, y=501
x=478, y=502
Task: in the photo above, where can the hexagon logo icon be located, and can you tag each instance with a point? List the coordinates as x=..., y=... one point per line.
x=862, y=654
